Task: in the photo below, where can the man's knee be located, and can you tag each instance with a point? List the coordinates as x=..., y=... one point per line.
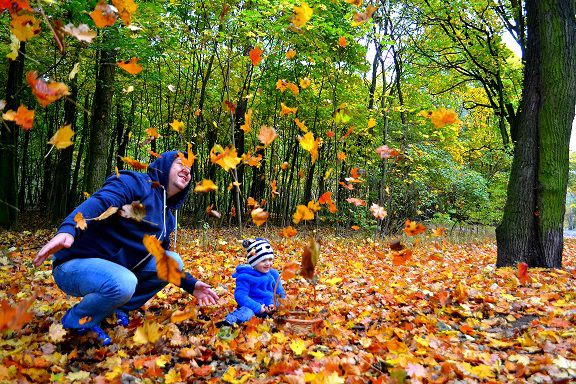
x=122, y=288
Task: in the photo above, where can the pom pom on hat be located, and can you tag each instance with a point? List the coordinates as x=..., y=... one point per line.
x=258, y=250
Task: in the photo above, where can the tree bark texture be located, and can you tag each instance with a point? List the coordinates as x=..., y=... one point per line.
x=532, y=227
x=99, y=132
x=9, y=145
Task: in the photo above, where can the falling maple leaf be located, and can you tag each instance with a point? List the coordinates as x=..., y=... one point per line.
x=288, y=232
x=378, y=211
x=166, y=267
x=15, y=318
x=443, y=116
x=259, y=216
x=385, y=152
x=188, y=160
x=178, y=126
x=355, y=2
x=103, y=15
x=330, y=134
x=348, y=132
x=230, y=106
x=357, y=202
x=131, y=66
x=342, y=41
x=440, y=231
x=134, y=163
x=310, y=258
x=205, y=186
x=226, y=158
x=255, y=56
x=46, y=92
x=22, y=117
x=341, y=156
x=157, y=155
x=80, y=222
x=135, y=211
x=287, y=110
x=266, y=135
x=63, y=137
x=290, y=54
x=362, y=17
x=523, y=273
x=412, y=228
x=247, y=126
x=305, y=83
x=303, y=13
x=13, y=6
x=126, y=9
x=82, y=32
x=107, y=213
x=24, y=26
x=302, y=213
x=212, y=212
x=152, y=133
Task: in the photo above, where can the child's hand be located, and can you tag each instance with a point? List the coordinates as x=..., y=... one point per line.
x=263, y=308
x=271, y=308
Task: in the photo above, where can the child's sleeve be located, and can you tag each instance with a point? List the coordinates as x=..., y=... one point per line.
x=241, y=294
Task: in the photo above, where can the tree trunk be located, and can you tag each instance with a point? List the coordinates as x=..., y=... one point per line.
x=102, y=105
x=531, y=229
x=62, y=175
x=9, y=145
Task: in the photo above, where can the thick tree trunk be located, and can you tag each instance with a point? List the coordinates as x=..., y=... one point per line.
x=531, y=229
x=62, y=175
x=99, y=133
x=9, y=145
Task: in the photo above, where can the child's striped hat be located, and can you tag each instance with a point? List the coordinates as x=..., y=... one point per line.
x=258, y=250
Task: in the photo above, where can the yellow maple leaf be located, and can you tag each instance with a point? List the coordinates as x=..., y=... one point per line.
x=300, y=124
x=371, y=122
x=205, y=186
x=298, y=346
x=305, y=83
x=287, y=110
x=14, y=47
x=307, y=141
x=80, y=222
x=290, y=54
x=443, y=116
x=62, y=137
x=178, y=126
x=303, y=13
x=302, y=213
x=24, y=26
x=226, y=158
x=247, y=126
x=149, y=332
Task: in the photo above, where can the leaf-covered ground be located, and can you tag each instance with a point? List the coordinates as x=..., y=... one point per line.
x=445, y=314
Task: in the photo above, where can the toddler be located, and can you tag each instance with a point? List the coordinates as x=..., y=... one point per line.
x=255, y=282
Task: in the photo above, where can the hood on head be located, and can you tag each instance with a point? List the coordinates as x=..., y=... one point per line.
x=159, y=171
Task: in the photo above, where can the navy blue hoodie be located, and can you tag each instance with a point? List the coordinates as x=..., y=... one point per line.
x=119, y=239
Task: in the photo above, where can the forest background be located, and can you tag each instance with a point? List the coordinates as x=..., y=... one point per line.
x=404, y=107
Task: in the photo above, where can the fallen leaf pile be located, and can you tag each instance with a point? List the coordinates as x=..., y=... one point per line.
x=444, y=314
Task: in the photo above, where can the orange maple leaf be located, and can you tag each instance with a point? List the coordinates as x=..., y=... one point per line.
x=134, y=163
x=46, y=92
x=305, y=83
x=342, y=41
x=126, y=9
x=24, y=26
x=187, y=161
x=288, y=232
x=443, y=116
x=287, y=110
x=523, y=273
x=290, y=54
x=205, y=186
x=259, y=216
x=103, y=15
x=131, y=66
x=13, y=6
x=302, y=213
x=247, y=126
x=226, y=158
x=385, y=152
x=23, y=117
x=15, y=318
x=80, y=221
x=412, y=228
x=166, y=267
x=255, y=56
x=266, y=135
x=362, y=17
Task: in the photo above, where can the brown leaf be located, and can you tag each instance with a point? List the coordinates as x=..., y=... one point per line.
x=310, y=258
x=134, y=210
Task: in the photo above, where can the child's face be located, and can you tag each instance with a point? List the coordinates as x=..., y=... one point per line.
x=264, y=266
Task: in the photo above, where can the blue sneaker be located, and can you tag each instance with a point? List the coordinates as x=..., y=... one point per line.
x=102, y=336
x=122, y=318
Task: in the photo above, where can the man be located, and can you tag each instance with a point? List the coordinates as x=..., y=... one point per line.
x=107, y=264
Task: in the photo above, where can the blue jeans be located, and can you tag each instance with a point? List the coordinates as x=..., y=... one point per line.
x=106, y=286
x=241, y=315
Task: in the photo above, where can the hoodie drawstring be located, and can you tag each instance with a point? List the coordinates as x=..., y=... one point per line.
x=175, y=229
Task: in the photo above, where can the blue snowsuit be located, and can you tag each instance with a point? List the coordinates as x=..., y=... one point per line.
x=253, y=289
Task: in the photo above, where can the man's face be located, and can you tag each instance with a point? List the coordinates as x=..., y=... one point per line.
x=179, y=177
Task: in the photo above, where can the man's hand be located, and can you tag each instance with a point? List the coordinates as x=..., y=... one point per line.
x=205, y=294
x=58, y=242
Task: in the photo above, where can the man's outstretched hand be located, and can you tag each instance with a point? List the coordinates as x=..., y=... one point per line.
x=58, y=242
x=204, y=294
